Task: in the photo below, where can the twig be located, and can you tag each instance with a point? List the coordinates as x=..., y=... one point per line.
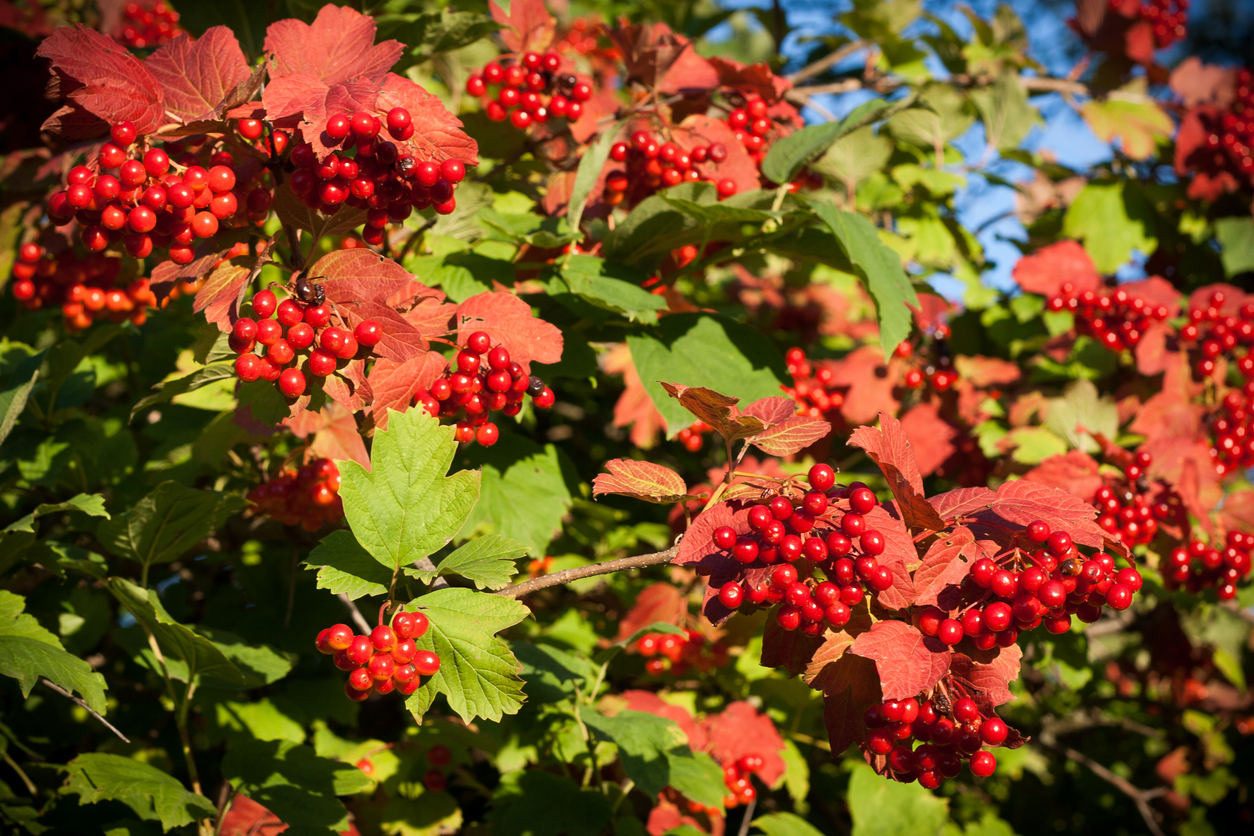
x=748, y=819
x=813, y=69
x=360, y=620
x=566, y=575
x=21, y=773
x=86, y=707
x=428, y=565
x=1139, y=796
x=1235, y=608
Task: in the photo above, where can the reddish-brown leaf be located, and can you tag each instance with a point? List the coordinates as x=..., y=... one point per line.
x=334, y=431
x=196, y=76
x=651, y=703
x=650, y=51
x=750, y=78
x=165, y=274
x=1204, y=84
x=359, y=275
x=907, y=661
x=246, y=817
x=740, y=730
x=432, y=316
x=1157, y=292
x=946, y=565
x=900, y=555
x=659, y=602
x=991, y=680
x=401, y=340
x=1153, y=353
x=932, y=440
x=739, y=167
x=890, y=448
x=115, y=85
x=771, y=411
x=438, y=134
x=984, y=372
x=791, y=436
x=220, y=296
x=338, y=46
x=509, y=321
x=869, y=382
x=1075, y=472
x=1049, y=268
x=823, y=672
x=716, y=409
x=698, y=543
x=393, y=383
x=844, y=711
x=1022, y=502
x=300, y=94
x=527, y=26
x=790, y=650
x=961, y=502
x=1238, y=511
x=348, y=386
x=642, y=480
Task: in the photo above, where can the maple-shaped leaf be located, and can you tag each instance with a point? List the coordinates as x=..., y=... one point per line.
x=393, y=383
x=102, y=78
x=890, y=448
x=651, y=51
x=945, y=566
x=642, y=480
x=1153, y=353
x=931, y=438
x=1156, y=292
x=438, y=134
x=527, y=26
x=659, y=602
x=359, y=275
x=1237, y=513
x=771, y=411
x=698, y=546
x=790, y=650
x=1130, y=115
x=1075, y=472
x=1016, y=504
x=223, y=292
x=757, y=79
x=165, y=274
x=197, y=76
x=1234, y=298
x=991, y=680
x=651, y=703
x=900, y=554
x=716, y=409
x=509, y=321
x=1203, y=84
x=792, y=436
x=869, y=384
x=824, y=670
x=740, y=730
x=338, y=46
x=907, y=661
x=1049, y=268
x=844, y=711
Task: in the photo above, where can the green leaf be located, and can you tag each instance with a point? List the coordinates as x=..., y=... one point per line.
x=1004, y=108
x=28, y=652
x=785, y=824
x=880, y=269
x=790, y=154
x=200, y=654
x=91, y=504
x=430, y=814
x=703, y=350
x=150, y=792
x=889, y=808
x=855, y=157
x=166, y=523
x=487, y=561
x=258, y=664
x=586, y=176
x=170, y=389
x=431, y=33
x=13, y=400
x=654, y=228
x=1236, y=237
x=535, y=803
x=293, y=782
x=1080, y=414
x=404, y=508
x=1132, y=116
x=655, y=754
x=613, y=287
x=944, y=114
x=264, y=401
x=478, y=673
x=345, y=567
x=524, y=494
x=1112, y=219
x=712, y=214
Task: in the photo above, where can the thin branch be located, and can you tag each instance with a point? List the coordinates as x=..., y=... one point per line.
x=1139, y=796
x=358, y=619
x=1236, y=609
x=748, y=819
x=86, y=707
x=428, y=565
x=819, y=66
x=566, y=575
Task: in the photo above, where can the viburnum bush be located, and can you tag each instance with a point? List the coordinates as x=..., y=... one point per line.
x=491, y=419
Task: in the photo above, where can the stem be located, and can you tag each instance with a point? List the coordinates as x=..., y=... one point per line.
x=30, y=786
x=1139, y=796
x=557, y=578
x=181, y=719
x=86, y=707
x=358, y=619
x=748, y=819
x=830, y=60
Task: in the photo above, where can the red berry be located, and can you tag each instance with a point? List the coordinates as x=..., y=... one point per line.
x=426, y=662
x=368, y=332
x=383, y=638
x=822, y=477
x=123, y=133
x=950, y=631
x=731, y=595
x=292, y=383
x=983, y=764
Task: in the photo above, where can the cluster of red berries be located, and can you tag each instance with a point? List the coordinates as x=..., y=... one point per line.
x=85, y=288
x=289, y=330
x=1232, y=432
x=1230, y=135
x=949, y=733
x=812, y=387
x=386, y=181
x=934, y=368
x=785, y=534
x=582, y=38
x=1216, y=335
x=652, y=162
x=387, y=660
x=1046, y=582
x=668, y=652
x=1199, y=566
x=753, y=127
x=1168, y=18
x=1113, y=317
x=736, y=776
x=482, y=379
x=693, y=437
x=1130, y=511
x=530, y=91
x=144, y=26
x=308, y=497
x=148, y=204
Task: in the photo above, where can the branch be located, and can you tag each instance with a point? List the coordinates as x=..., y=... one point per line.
x=566, y=575
x=1139, y=796
x=813, y=69
x=84, y=705
x=1233, y=607
x=360, y=620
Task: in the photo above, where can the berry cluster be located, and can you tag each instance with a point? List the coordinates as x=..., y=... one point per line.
x=934, y=367
x=652, y=162
x=387, y=660
x=1232, y=432
x=1045, y=582
x=812, y=386
x=158, y=198
x=1131, y=511
x=309, y=497
x=435, y=779
x=86, y=289
x=740, y=789
x=1199, y=566
x=379, y=177
x=529, y=91
x=1215, y=335
x=1113, y=317
x=693, y=437
x=949, y=731
x=292, y=329
x=145, y=27
x=1167, y=17
x=785, y=534
x=1229, y=136
x=482, y=379
x=754, y=129
x=668, y=652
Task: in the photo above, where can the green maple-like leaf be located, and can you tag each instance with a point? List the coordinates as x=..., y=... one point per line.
x=345, y=567
x=151, y=793
x=478, y=673
x=293, y=782
x=166, y=523
x=487, y=561
x=28, y=651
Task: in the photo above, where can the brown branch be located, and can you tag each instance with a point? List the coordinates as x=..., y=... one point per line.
x=813, y=69
x=1141, y=798
x=566, y=575
x=360, y=620
x=87, y=708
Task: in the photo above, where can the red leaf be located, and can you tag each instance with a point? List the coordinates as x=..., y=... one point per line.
x=338, y=46
x=738, y=166
x=659, y=602
x=750, y=78
x=112, y=84
x=1238, y=511
x=900, y=555
x=314, y=101
x=907, y=661
x=1047, y=269
x=1156, y=291
x=528, y=25
x=1204, y=84
x=771, y=411
x=960, y=503
x=791, y=436
x=197, y=75
x=844, y=712
x=248, y=818
x=651, y=51
x=984, y=372
x=740, y=730
x=359, y=275
x=348, y=386
x=698, y=543
x=220, y=296
x=165, y=274
x=716, y=409
x=990, y=680
x=666, y=816
x=890, y=448
x=509, y=321
x=1158, y=342
x=642, y=480
x=432, y=316
x=824, y=670
x=1171, y=413
x=1022, y=502
x=1075, y=472
x=438, y=134
x=651, y=703
x=393, y=383
x=869, y=382
x=401, y=340
x=335, y=434
x=790, y=650
x=1234, y=298
x=931, y=437
x=945, y=566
